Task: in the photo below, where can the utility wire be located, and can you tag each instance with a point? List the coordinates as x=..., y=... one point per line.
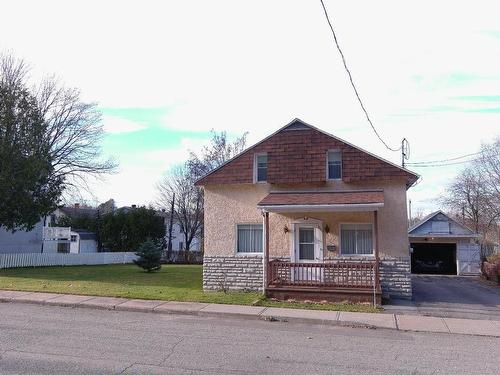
x=352, y=81
x=444, y=160
x=442, y=165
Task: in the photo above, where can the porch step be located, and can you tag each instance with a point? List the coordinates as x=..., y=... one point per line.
x=324, y=294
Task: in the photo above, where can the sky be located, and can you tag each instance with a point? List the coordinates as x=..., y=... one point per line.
x=164, y=73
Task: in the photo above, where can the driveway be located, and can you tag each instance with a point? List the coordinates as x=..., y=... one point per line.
x=451, y=296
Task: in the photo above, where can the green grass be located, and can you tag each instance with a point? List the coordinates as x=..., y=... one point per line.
x=171, y=283
x=344, y=306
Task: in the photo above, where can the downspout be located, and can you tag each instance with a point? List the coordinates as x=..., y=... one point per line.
x=376, y=284
x=265, y=258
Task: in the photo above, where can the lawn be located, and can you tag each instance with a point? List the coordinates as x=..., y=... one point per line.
x=172, y=282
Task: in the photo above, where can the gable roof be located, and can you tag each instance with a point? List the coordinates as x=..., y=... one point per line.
x=297, y=125
x=429, y=217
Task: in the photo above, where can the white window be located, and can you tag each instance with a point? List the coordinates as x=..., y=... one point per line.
x=260, y=168
x=356, y=239
x=440, y=227
x=334, y=165
x=181, y=245
x=249, y=238
x=73, y=238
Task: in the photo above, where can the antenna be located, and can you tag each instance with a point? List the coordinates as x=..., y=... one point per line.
x=405, y=151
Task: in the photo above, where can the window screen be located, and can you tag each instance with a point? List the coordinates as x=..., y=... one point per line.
x=334, y=165
x=356, y=239
x=249, y=238
x=261, y=167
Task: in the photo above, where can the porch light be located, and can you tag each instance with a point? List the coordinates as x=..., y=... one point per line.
x=285, y=229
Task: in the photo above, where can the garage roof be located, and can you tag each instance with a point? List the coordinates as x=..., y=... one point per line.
x=439, y=224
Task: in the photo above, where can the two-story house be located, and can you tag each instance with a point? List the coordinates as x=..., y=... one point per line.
x=304, y=214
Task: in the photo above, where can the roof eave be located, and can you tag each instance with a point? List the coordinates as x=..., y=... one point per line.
x=350, y=207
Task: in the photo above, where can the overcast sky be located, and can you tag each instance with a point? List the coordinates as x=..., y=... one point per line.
x=166, y=72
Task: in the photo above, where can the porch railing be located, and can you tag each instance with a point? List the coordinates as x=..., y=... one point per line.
x=338, y=274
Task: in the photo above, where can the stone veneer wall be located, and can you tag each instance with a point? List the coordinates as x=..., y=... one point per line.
x=245, y=273
x=232, y=273
x=395, y=277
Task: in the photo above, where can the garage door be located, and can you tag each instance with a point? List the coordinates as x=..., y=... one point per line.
x=434, y=258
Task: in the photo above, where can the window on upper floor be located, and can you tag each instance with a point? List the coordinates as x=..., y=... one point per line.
x=260, y=168
x=334, y=165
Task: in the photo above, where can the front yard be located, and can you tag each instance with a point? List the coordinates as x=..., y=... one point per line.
x=171, y=283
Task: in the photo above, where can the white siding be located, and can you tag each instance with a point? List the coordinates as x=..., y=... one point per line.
x=468, y=258
x=21, y=241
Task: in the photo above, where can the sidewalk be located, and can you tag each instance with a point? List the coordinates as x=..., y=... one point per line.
x=387, y=321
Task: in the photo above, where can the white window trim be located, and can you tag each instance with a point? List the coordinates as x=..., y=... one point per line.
x=357, y=255
x=255, y=167
x=253, y=253
x=341, y=165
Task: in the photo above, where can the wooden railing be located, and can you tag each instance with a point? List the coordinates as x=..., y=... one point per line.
x=337, y=274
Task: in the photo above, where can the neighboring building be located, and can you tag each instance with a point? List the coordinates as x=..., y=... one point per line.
x=22, y=241
x=441, y=245
x=178, y=239
x=68, y=240
x=46, y=237
x=304, y=214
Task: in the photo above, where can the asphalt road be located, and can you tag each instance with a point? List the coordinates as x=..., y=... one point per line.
x=38, y=339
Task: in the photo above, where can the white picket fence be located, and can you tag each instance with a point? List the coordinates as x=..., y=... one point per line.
x=55, y=259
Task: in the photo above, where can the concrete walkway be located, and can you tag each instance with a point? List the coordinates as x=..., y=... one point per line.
x=387, y=321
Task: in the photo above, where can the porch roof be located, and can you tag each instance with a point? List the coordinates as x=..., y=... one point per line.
x=282, y=201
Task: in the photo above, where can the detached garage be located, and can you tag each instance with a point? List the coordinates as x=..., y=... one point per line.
x=441, y=245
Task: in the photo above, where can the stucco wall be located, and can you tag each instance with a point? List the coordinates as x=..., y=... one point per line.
x=229, y=205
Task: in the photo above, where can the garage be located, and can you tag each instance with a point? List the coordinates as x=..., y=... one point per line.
x=434, y=258
x=439, y=245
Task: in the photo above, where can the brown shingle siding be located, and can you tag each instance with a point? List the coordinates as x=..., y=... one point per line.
x=299, y=157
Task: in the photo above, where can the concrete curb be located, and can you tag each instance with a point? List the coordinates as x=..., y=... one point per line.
x=401, y=322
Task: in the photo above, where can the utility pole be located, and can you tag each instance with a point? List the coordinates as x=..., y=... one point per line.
x=405, y=151
x=171, y=224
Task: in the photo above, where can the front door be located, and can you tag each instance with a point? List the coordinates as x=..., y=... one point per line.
x=308, y=244
x=308, y=249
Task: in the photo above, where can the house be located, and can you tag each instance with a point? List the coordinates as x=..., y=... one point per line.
x=22, y=241
x=304, y=214
x=178, y=239
x=441, y=245
x=46, y=237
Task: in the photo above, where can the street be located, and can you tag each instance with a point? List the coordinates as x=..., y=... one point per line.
x=38, y=339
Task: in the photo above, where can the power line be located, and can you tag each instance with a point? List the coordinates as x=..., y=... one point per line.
x=442, y=165
x=352, y=81
x=445, y=160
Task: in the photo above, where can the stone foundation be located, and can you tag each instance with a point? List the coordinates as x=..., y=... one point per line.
x=245, y=273
x=232, y=273
x=395, y=277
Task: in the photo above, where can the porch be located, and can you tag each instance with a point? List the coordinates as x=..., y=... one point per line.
x=309, y=274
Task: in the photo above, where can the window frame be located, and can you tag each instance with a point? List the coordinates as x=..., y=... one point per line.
x=328, y=166
x=249, y=253
x=256, y=167
x=341, y=253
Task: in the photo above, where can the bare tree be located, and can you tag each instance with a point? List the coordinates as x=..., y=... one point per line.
x=188, y=207
x=215, y=154
x=72, y=130
x=467, y=198
x=188, y=203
